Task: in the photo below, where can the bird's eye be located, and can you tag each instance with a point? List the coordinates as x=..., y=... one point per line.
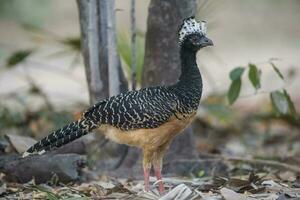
x=194, y=39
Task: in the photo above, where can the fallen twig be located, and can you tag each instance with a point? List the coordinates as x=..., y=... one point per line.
x=270, y=163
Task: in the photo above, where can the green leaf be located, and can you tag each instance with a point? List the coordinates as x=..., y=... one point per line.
x=277, y=71
x=50, y=195
x=18, y=57
x=236, y=73
x=279, y=102
x=292, y=109
x=124, y=49
x=234, y=90
x=254, y=76
x=201, y=173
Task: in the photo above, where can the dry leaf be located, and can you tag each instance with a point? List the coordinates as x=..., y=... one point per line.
x=231, y=195
x=265, y=196
x=180, y=192
x=287, y=176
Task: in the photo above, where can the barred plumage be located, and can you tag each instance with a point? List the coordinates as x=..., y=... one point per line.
x=149, y=118
x=147, y=108
x=63, y=136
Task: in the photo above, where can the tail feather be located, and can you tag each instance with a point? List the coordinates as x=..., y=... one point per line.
x=63, y=136
x=65, y=140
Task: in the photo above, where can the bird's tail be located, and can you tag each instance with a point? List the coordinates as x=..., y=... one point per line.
x=62, y=136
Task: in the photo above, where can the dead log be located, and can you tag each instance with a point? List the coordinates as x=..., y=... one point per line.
x=42, y=168
x=76, y=147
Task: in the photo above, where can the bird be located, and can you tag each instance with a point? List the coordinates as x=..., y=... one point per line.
x=148, y=118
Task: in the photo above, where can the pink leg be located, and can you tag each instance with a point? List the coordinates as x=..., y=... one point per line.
x=146, y=179
x=147, y=167
x=161, y=187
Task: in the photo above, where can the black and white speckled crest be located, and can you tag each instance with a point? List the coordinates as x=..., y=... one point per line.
x=191, y=26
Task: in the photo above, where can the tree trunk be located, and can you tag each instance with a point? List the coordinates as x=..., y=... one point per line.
x=162, y=61
x=95, y=63
x=104, y=74
x=102, y=64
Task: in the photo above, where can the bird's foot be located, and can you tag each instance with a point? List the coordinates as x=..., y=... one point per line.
x=161, y=189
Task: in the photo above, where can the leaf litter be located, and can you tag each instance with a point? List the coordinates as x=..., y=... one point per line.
x=251, y=187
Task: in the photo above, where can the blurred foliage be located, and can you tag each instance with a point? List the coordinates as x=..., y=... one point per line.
x=277, y=70
x=2, y=53
x=216, y=108
x=235, y=87
x=254, y=76
x=33, y=122
x=71, y=44
x=31, y=12
x=282, y=103
x=281, y=100
x=45, y=118
x=220, y=111
x=74, y=43
x=124, y=49
x=10, y=118
x=18, y=57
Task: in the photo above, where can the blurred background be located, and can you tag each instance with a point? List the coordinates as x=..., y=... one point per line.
x=248, y=120
x=43, y=82
x=243, y=32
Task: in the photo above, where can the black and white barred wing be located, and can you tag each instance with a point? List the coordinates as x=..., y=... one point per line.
x=146, y=108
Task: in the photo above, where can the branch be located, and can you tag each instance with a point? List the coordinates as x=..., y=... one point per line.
x=269, y=163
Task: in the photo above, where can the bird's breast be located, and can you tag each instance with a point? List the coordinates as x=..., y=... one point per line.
x=148, y=138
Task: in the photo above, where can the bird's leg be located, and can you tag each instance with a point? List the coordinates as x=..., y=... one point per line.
x=161, y=188
x=146, y=179
x=147, y=168
x=157, y=165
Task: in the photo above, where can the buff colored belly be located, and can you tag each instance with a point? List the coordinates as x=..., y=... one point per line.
x=147, y=138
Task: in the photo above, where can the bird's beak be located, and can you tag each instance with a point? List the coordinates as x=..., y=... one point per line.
x=206, y=42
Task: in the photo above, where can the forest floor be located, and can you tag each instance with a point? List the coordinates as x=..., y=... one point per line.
x=254, y=186
x=243, y=157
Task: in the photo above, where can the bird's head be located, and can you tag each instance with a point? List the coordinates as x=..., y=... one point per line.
x=192, y=35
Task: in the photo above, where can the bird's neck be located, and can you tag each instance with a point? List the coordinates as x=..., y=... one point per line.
x=189, y=87
x=190, y=77
x=189, y=68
